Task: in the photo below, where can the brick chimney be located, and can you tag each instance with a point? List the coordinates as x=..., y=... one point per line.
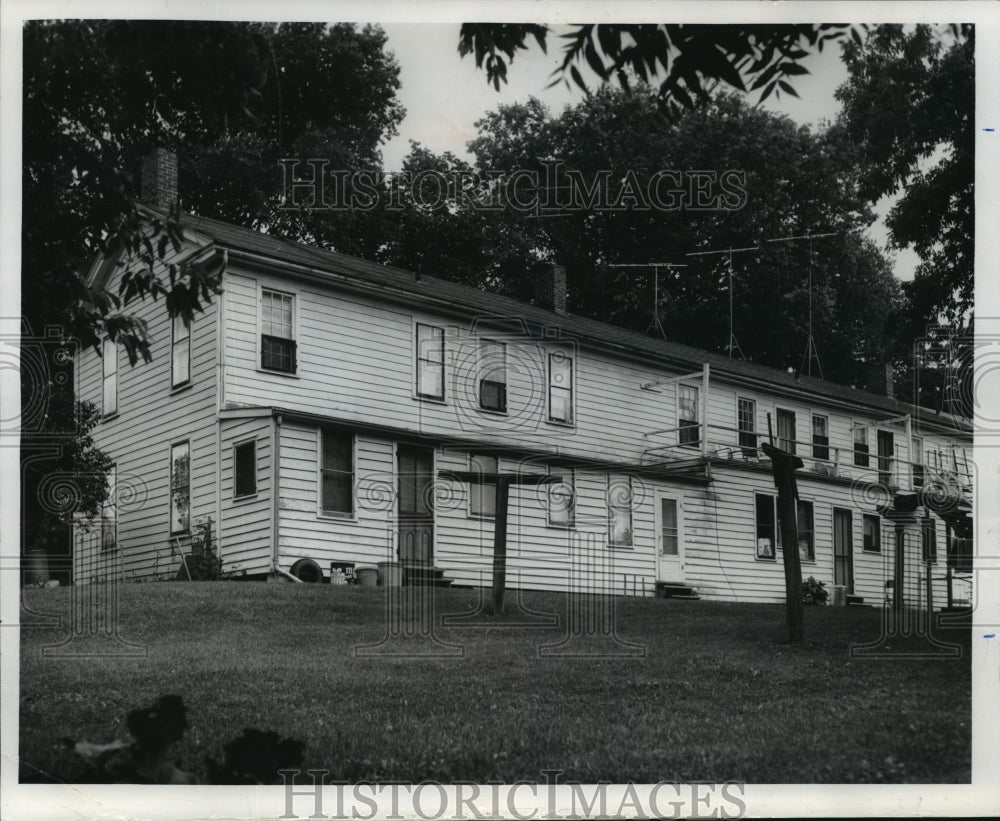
x=550, y=287
x=159, y=179
x=882, y=379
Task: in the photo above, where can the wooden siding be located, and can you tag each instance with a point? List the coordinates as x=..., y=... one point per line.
x=153, y=415
x=245, y=524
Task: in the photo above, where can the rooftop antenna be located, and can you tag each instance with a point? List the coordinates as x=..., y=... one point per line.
x=732, y=345
x=656, y=266
x=811, y=352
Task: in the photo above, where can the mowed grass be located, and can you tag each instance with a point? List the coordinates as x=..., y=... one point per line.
x=716, y=695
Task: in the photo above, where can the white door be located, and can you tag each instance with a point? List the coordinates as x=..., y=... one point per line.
x=669, y=543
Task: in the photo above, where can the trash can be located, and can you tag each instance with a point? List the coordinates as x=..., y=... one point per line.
x=367, y=576
x=390, y=574
x=839, y=595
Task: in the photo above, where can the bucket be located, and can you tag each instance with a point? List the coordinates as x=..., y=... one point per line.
x=840, y=595
x=390, y=574
x=367, y=576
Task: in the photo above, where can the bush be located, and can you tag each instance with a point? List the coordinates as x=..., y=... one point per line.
x=814, y=592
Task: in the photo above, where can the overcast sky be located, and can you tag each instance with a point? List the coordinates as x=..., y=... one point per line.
x=444, y=95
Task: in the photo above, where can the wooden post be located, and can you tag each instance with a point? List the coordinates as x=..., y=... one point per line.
x=500, y=545
x=704, y=409
x=783, y=467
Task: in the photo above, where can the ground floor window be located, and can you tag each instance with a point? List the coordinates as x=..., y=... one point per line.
x=180, y=487
x=871, y=533
x=620, y=511
x=244, y=469
x=929, y=532
x=767, y=540
x=109, y=513
x=562, y=499
x=483, y=494
x=336, y=473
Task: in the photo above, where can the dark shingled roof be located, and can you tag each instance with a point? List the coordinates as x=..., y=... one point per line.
x=475, y=301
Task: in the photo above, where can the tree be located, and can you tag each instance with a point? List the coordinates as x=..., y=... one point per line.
x=795, y=182
x=235, y=97
x=689, y=60
x=909, y=104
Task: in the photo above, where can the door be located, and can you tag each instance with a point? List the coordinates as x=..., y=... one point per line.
x=416, y=505
x=885, y=454
x=669, y=544
x=843, y=549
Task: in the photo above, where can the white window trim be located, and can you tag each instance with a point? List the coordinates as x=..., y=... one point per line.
x=174, y=382
x=571, y=524
x=256, y=470
x=333, y=515
x=574, y=362
x=697, y=413
x=415, y=362
x=878, y=529
x=170, y=486
x=631, y=517
x=480, y=371
x=468, y=499
x=115, y=359
x=264, y=286
x=795, y=427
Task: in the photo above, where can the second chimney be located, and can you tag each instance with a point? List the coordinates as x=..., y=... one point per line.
x=550, y=287
x=159, y=179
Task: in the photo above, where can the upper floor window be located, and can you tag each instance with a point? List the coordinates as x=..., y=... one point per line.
x=483, y=494
x=492, y=375
x=886, y=456
x=620, y=512
x=244, y=469
x=687, y=415
x=918, y=462
x=821, y=437
x=871, y=533
x=109, y=360
x=860, y=446
x=430, y=361
x=786, y=430
x=180, y=352
x=560, y=387
x=336, y=473
x=562, y=499
x=277, y=331
x=109, y=513
x=746, y=423
x=180, y=487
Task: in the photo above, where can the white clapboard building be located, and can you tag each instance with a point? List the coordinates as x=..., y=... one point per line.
x=307, y=412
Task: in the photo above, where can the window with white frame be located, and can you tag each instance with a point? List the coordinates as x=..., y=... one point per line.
x=786, y=430
x=820, y=436
x=277, y=331
x=180, y=352
x=561, y=497
x=336, y=473
x=620, y=511
x=483, y=493
x=492, y=375
x=245, y=469
x=560, y=387
x=766, y=526
x=746, y=423
x=687, y=415
x=430, y=361
x=180, y=487
x=807, y=538
x=860, y=446
x=109, y=513
x=109, y=362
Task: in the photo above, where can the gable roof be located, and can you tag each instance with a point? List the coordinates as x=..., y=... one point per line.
x=336, y=267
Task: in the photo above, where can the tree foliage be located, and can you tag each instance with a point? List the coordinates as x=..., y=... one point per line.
x=689, y=61
x=232, y=98
x=909, y=103
x=796, y=182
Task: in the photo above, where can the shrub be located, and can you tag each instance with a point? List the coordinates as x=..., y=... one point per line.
x=814, y=592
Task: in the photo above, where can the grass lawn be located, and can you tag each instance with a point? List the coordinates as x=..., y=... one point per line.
x=715, y=697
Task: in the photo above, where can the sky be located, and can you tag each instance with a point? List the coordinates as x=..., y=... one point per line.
x=444, y=95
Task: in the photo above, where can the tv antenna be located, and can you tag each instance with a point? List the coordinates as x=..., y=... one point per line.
x=811, y=351
x=733, y=344
x=656, y=266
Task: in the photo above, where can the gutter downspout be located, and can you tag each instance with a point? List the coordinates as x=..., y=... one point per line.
x=275, y=477
x=220, y=393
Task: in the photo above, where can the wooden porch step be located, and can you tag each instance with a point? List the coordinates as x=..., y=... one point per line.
x=425, y=575
x=855, y=601
x=676, y=590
